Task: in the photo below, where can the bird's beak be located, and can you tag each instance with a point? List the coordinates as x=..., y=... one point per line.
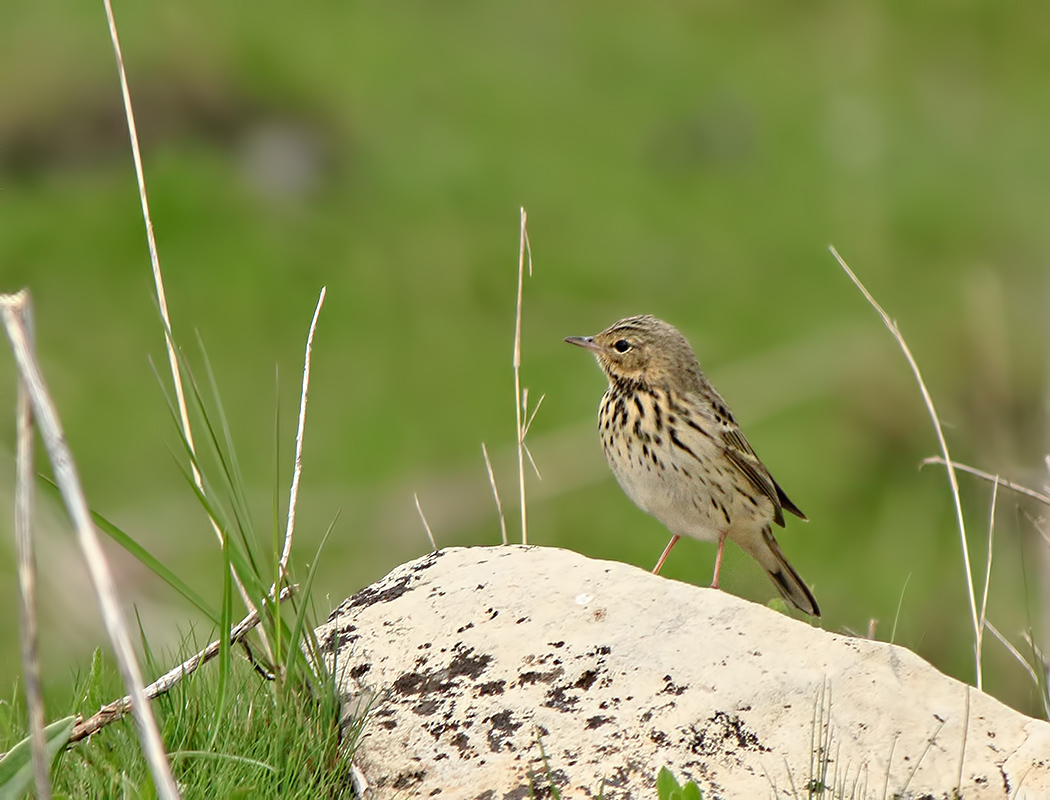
x=583, y=341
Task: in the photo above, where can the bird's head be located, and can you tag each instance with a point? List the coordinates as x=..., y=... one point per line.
x=642, y=349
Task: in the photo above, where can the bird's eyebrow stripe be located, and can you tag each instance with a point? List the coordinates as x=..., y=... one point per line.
x=625, y=328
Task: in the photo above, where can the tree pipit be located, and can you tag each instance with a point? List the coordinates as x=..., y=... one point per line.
x=677, y=452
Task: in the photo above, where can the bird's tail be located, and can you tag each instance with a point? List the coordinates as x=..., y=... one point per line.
x=783, y=575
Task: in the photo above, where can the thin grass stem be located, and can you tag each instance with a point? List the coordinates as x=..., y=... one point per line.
x=293, y=492
x=151, y=242
x=422, y=516
x=962, y=751
x=1014, y=487
x=495, y=493
x=1014, y=652
x=952, y=478
x=523, y=248
x=68, y=480
x=158, y=279
x=27, y=566
x=166, y=682
x=900, y=605
x=918, y=761
x=987, y=573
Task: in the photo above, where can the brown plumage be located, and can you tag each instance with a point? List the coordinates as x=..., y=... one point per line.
x=676, y=450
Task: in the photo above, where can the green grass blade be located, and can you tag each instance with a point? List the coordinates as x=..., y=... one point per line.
x=152, y=563
x=227, y=757
x=148, y=560
x=304, y=594
x=276, y=543
x=232, y=486
x=251, y=580
x=225, y=624
x=236, y=478
x=16, y=768
x=240, y=514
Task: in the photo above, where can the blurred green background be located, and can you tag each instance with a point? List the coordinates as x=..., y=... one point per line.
x=687, y=160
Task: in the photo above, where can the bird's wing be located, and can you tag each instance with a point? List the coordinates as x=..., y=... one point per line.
x=740, y=453
x=741, y=456
x=721, y=433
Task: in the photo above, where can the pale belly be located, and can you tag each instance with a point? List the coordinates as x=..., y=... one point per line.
x=694, y=498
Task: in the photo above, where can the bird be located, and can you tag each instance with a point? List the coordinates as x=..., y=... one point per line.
x=678, y=453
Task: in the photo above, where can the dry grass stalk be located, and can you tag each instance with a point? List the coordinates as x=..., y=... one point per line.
x=293, y=492
x=22, y=307
x=111, y=712
x=952, y=478
x=987, y=571
x=519, y=399
x=422, y=516
x=158, y=281
x=72, y=493
x=1014, y=487
x=495, y=493
x=1024, y=664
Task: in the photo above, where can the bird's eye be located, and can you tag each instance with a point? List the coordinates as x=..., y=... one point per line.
x=622, y=346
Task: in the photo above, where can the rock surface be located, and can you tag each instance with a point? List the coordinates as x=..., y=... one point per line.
x=499, y=672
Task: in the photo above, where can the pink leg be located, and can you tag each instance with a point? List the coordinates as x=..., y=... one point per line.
x=663, y=557
x=718, y=559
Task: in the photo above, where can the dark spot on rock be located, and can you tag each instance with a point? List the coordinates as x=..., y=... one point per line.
x=597, y=721
x=426, y=707
x=410, y=683
x=502, y=727
x=379, y=593
x=461, y=743
x=559, y=700
x=435, y=729
x=556, y=644
x=534, y=676
x=463, y=664
x=619, y=779
x=466, y=627
x=586, y=680
x=545, y=784
x=670, y=687
x=521, y=620
x=491, y=688
x=493, y=613
x=466, y=664
x=359, y=670
x=427, y=561
x=721, y=734
x=406, y=780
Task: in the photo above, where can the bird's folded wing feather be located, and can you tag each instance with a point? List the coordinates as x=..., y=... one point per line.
x=740, y=454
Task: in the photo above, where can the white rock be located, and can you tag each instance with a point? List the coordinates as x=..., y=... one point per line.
x=483, y=662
